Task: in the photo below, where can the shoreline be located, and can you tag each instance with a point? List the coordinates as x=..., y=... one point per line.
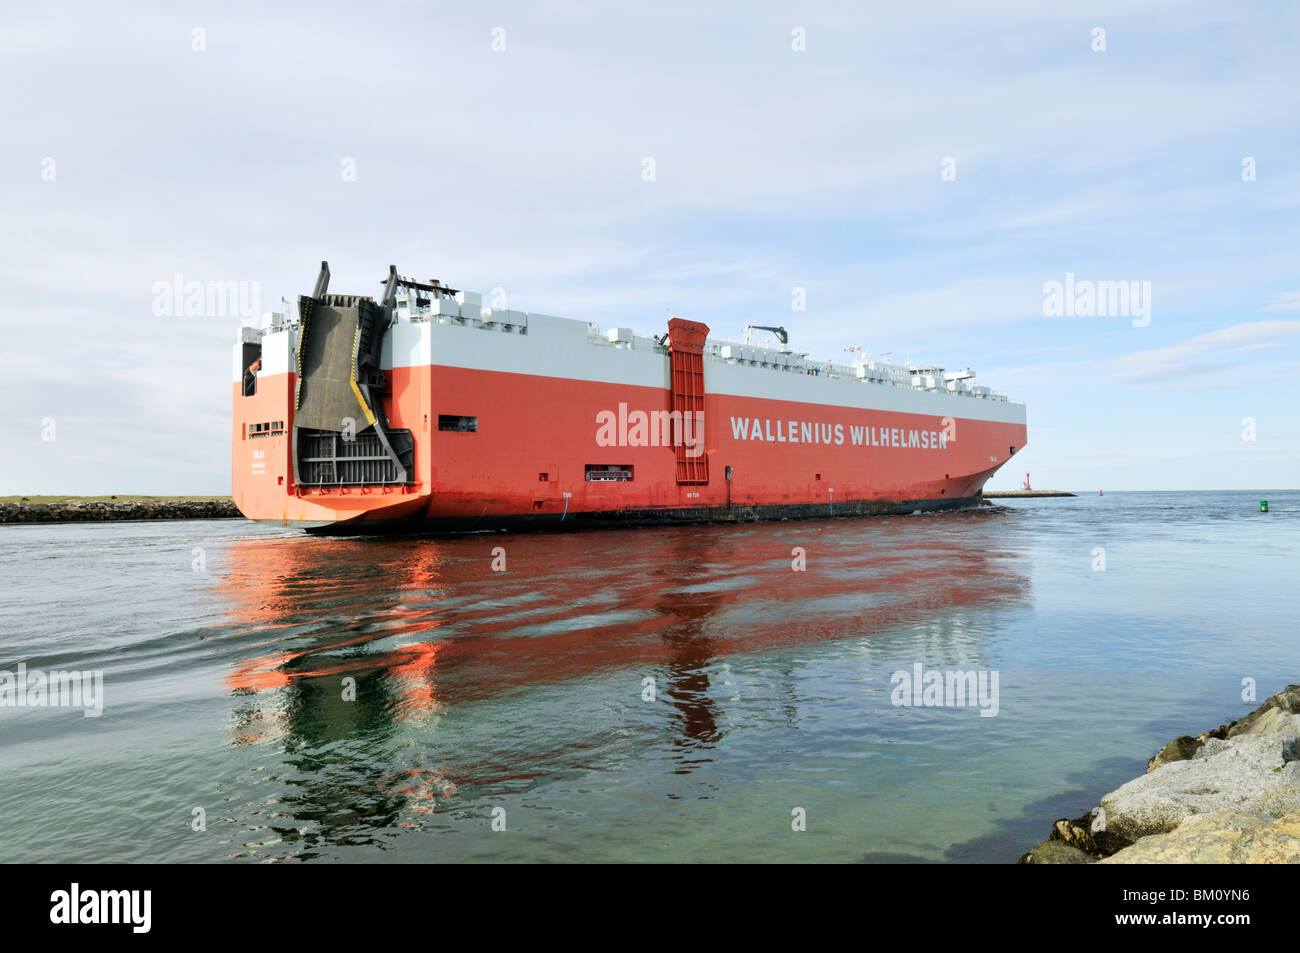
x=101, y=509
x=1230, y=795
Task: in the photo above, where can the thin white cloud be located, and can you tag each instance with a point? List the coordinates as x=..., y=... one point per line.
x=1200, y=354
x=1286, y=301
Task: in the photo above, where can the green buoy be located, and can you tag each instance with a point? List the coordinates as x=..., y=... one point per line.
x=1263, y=506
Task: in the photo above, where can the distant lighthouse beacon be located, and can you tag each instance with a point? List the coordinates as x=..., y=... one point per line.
x=1026, y=486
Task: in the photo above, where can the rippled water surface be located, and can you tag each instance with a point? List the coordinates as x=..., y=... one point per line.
x=663, y=694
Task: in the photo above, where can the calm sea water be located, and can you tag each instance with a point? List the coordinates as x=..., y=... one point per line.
x=229, y=653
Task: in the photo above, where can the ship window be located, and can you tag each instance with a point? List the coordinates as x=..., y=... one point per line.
x=273, y=428
x=608, y=472
x=542, y=477
x=1013, y=449
x=457, y=424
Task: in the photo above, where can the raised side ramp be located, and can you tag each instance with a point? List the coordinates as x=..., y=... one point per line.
x=686, y=364
x=341, y=436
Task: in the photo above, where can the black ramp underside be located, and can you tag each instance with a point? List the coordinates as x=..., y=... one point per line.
x=328, y=395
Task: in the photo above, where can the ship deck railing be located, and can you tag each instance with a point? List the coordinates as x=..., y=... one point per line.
x=738, y=352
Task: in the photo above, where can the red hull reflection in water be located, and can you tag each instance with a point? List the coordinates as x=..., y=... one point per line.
x=532, y=661
x=430, y=624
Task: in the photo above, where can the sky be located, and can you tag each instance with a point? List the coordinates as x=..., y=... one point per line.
x=919, y=173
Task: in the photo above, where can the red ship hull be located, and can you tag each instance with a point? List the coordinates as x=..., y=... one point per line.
x=575, y=449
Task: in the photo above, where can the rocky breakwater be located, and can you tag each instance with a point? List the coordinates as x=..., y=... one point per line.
x=96, y=511
x=1022, y=494
x=1227, y=796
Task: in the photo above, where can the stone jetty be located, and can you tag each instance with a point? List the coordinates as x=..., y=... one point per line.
x=1022, y=494
x=98, y=509
x=1226, y=796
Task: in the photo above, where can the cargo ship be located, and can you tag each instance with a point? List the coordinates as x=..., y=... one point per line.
x=421, y=410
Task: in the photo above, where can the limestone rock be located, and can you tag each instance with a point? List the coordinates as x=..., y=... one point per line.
x=1255, y=773
x=1180, y=749
x=1056, y=852
x=1270, y=721
x=1234, y=837
x=1285, y=702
